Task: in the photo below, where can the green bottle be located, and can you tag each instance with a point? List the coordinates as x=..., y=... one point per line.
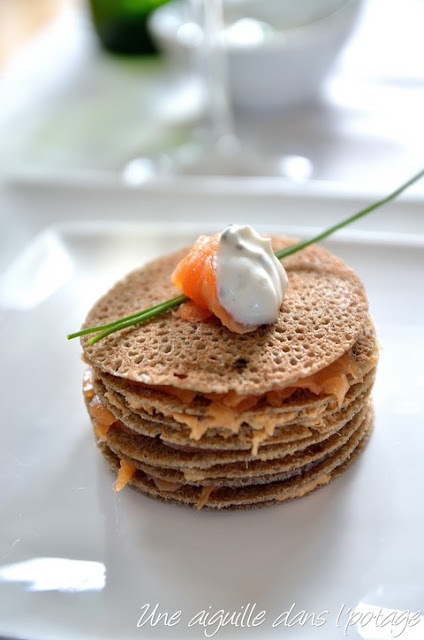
x=122, y=24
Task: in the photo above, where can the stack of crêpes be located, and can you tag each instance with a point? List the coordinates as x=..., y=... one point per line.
x=191, y=413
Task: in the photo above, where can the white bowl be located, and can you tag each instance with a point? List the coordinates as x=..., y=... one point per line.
x=267, y=68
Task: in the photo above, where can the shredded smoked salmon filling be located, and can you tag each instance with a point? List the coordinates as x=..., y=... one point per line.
x=226, y=410
x=165, y=485
x=298, y=493
x=103, y=418
x=101, y=430
x=88, y=383
x=332, y=380
x=204, y=497
x=100, y=413
x=125, y=473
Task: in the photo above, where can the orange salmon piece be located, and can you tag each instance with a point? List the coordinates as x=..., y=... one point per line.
x=100, y=413
x=125, y=473
x=192, y=312
x=195, y=275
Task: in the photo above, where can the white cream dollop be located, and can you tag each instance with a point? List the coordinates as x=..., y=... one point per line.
x=251, y=281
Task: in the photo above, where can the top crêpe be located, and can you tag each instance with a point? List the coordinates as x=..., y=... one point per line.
x=323, y=312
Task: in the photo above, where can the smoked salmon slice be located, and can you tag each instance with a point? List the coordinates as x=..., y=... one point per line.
x=195, y=275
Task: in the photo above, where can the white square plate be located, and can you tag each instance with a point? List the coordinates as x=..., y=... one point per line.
x=79, y=561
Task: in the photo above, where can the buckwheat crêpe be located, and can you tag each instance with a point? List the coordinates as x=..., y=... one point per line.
x=192, y=413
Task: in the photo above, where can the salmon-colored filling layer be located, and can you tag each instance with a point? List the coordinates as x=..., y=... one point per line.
x=88, y=383
x=103, y=418
x=125, y=473
x=226, y=410
x=332, y=380
x=161, y=484
x=204, y=497
x=100, y=413
x=298, y=493
x=165, y=485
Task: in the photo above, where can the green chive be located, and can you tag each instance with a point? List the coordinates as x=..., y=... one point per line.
x=143, y=316
x=324, y=234
x=173, y=302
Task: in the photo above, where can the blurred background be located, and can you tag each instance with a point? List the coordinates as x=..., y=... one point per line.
x=328, y=91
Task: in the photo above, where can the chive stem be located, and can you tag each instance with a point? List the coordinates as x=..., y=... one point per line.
x=157, y=309
x=282, y=253
x=142, y=316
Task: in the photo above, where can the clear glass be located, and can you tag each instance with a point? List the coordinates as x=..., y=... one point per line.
x=215, y=149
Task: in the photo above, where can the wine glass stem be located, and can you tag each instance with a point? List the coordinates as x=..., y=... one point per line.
x=214, y=65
